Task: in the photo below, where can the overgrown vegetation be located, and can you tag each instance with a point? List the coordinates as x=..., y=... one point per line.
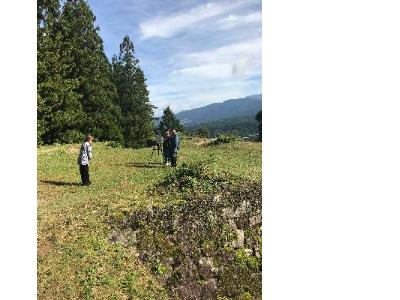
x=202, y=131
x=83, y=253
x=209, y=245
x=223, y=139
x=193, y=178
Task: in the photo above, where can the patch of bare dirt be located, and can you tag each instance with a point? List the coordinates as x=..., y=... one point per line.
x=43, y=151
x=203, y=142
x=72, y=150
x=43, y=248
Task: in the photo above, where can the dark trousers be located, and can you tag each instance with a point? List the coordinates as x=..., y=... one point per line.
x=174, y=158
x=84, y=170
x=166, y=155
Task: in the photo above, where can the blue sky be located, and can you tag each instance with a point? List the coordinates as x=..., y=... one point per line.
x=192, y=52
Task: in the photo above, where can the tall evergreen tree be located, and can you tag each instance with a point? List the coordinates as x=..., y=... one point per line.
x=202, y=131
x=168, y=120
x=89, y=65
x=133, y=96
x=59, y=110
x=78, y=90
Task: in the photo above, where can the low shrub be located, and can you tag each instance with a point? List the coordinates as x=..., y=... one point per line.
x=224, y=139
x=114, y=144
x=71, y=137
x=193, y=178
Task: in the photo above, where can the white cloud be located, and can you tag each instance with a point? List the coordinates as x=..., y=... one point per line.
x=208, y=71
x=208, y=76
x=202, y=77
x=229, y=53
x=239, y=59
x=233, y=21
x=167, y=26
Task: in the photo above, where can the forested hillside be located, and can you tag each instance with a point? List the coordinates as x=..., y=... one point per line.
x=241, y=126
x=79, y=91
x=234, y=108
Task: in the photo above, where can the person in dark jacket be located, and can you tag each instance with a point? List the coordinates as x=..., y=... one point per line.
x=167, y=147
x=175, y=140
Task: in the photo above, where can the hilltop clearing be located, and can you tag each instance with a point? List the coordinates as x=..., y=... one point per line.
x=93, y=244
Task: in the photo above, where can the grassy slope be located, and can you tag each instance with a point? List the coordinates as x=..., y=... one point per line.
x=75, y=258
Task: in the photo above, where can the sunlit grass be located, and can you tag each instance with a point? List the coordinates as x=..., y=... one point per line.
x=76, y=260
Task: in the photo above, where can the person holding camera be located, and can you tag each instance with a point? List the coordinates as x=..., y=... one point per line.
x=175, y=140
x=166, y=147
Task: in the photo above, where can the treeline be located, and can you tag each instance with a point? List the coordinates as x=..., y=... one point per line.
x=239, y=126
x=79, y=90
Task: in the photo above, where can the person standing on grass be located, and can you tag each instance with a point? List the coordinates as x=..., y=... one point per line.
x=167, y=147
x=85, y=154
x=175, y=140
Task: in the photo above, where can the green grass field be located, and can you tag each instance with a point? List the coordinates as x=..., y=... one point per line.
x=76, y=259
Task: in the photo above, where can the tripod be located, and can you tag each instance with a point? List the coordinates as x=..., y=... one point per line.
x=157, y=147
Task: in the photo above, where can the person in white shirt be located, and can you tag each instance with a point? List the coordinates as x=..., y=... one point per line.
x=85, y=154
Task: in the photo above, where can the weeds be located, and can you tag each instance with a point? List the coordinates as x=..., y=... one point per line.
x=211, y=239
x=194, y=178
x=76, y=257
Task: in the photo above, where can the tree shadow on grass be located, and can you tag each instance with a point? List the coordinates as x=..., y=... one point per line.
x=60, y=183
x=146, y=165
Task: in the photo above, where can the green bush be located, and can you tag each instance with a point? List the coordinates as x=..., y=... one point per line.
x=202, y=132
x=245, y=296
x=224, y=139
x=193, y=178
x=114, y=144
x=71, y=136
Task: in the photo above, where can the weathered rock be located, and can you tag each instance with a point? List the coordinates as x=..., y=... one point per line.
x=255, y=220
x=217, y=198
x=248, y=251
x=186, y=286
x=206, y=267
x=239, y=242
x=232, y=225
x=209, y=290
x=241, y=212
x=189, y=291
x=188, y=269
x=227, y=213
x=143, y=256
x=204, y=247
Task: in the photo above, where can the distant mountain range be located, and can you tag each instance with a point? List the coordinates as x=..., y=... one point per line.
x=229, y=109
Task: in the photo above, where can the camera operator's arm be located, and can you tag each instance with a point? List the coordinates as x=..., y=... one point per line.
x=176, y=143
